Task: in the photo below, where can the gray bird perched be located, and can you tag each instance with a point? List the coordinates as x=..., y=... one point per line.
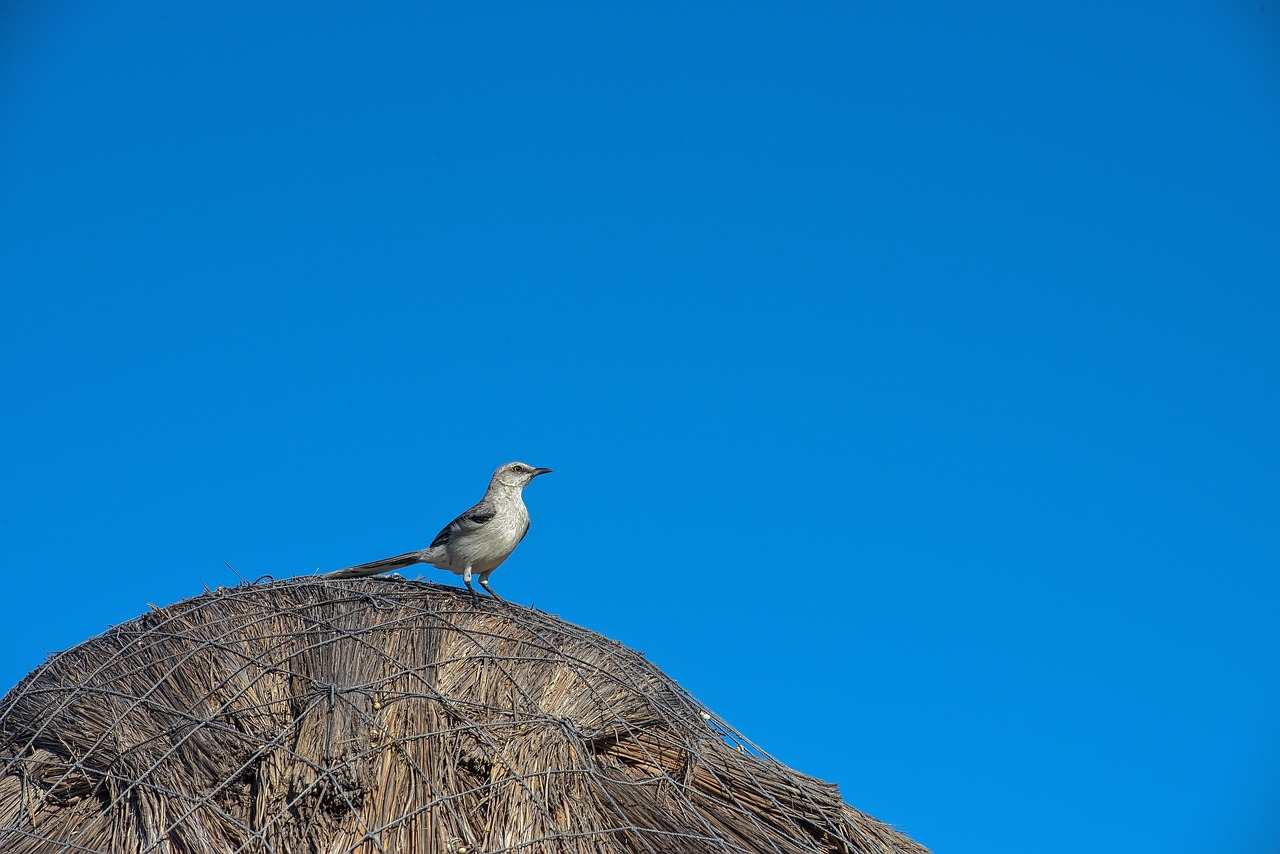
x=478, y=541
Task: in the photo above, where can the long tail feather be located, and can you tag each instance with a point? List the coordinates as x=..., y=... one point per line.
x=385, y=565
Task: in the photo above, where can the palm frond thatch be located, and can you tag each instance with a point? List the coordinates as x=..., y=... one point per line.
x=382, y=716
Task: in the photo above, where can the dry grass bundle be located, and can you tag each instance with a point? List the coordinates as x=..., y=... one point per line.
x=383, y=716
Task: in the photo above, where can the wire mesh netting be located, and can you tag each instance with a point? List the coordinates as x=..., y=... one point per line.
x=377, y=715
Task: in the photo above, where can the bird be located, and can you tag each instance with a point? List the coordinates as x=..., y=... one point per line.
x=477, y=542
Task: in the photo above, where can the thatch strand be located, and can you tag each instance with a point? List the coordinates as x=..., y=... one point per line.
x=379, y=716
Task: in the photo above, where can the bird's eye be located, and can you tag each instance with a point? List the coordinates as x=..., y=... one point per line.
x=517, y=468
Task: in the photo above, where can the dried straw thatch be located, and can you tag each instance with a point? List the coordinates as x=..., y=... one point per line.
x=385, y=716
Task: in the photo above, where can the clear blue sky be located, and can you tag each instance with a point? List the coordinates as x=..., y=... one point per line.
x=910, y=371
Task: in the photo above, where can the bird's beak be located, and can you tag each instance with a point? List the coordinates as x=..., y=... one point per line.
x=537, y=472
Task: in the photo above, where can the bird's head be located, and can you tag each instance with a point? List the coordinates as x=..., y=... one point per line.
x=517, y=475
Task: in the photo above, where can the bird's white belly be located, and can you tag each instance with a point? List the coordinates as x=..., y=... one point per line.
x=483, y=550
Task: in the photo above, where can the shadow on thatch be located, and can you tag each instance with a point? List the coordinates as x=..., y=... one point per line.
x=383, y=716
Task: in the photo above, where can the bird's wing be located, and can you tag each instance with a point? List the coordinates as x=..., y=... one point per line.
x=469, y=521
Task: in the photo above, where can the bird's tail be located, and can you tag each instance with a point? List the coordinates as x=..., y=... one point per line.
x=385, y=565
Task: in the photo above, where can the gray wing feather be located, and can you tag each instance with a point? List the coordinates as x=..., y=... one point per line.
x=469, y=521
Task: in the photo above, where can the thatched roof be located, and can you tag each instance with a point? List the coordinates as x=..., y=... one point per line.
x=386, y=716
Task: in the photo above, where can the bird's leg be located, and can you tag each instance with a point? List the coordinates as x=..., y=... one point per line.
x=492, y=592
x=466, y=579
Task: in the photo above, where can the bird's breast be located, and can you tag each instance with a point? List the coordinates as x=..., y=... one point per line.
x=490, y=544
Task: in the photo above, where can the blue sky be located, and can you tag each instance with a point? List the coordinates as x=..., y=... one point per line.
x=909, y=371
